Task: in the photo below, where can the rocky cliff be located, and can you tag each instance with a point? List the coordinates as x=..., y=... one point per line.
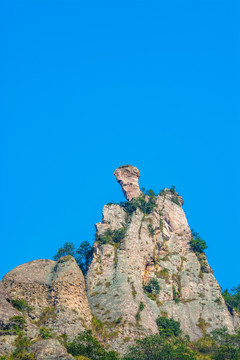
x=154, y=250
x=143, y=267
x=49, y=295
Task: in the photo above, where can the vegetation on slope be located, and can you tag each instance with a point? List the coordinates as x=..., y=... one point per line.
x=232, y=298
x=198, y=245
x=169, y=344
x=146, y=203
x=113, y=237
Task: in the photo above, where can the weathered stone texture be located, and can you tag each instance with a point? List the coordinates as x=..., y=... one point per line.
x=116, y=276
x=127, y=176
x=50, y=349
x=56, y=289
x=6, y=309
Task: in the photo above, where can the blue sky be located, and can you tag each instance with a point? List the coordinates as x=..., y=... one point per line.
x=88, y=86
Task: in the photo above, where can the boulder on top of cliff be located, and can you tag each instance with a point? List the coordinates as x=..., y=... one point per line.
x=127, y=176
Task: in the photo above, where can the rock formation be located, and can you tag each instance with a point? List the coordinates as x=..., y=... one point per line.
x=127, y=176
x=6, y=309
x=55, y=291
x=143, y=267
x=155, y=247
x=50, y=349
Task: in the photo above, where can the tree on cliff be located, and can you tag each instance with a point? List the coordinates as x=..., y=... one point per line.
x=67, y=249
x=83, y=255
x=197, y=244
x=232, y=298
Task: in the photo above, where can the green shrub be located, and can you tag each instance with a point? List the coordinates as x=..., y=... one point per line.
x=134, y=292
x=152, y=287
x=119, y=320
x=67, y=249
x=151, y=230
x=197, y=244
x=168, y=327
x=205, y=345
x=45, y=333
x=138, y=316
x=174, y=199
x=141, y=306
x=202, y=324
x=157, y=348
x=21, y=305
x=229, y=345
x=18, y=320
x=232, y=298
x=176, y=295
x=227, y=352
x=171, y=344
x=112, y=203
x=145, y=202
x=83, y=255
x=98, y=327
x=113, y=237
x=173, y=189
x=17, y=324
x=85, y=344
x=21, y=345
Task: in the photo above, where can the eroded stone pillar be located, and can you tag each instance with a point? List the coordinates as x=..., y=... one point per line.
x=127, y=176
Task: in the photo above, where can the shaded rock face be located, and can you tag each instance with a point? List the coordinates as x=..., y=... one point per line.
x=127, y=176
x=50, y=349
x=7, y=323
x=6, y=309
x=55, y=291
x=155, y=246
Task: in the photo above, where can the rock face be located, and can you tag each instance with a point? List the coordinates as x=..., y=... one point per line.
x=6, y=309
x=50, y=349
x=127, y=176
x=55, y=291
x=154, y=246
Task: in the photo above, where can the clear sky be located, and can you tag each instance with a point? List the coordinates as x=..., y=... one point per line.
x=88, y=86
